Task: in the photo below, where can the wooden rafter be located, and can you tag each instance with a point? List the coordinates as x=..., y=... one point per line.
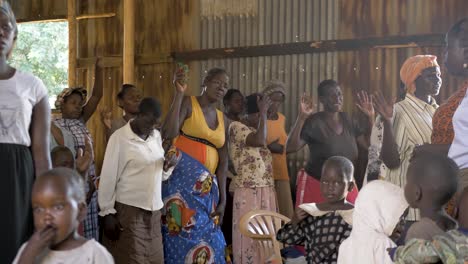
x=427, y=40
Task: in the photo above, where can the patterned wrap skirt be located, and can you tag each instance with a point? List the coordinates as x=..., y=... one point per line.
x=190, y=235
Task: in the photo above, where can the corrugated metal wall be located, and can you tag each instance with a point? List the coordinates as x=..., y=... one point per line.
x=283, y=21
x=276, y=21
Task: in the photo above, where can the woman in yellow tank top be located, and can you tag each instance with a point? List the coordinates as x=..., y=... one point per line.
x=195, y=194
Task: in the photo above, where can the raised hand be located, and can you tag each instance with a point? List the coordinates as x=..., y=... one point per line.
x=365, y=104
x=84, y=158
x=306, y=107
x=383, y=106
x=263, y=104
x=180, y=79
x=106, y=117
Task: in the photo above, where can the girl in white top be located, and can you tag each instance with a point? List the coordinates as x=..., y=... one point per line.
x=24, y=142
x=58, y=200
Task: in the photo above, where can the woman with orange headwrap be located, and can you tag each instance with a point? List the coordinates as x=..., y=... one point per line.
x=408, y=123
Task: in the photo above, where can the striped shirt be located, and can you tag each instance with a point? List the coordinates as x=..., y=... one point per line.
x=412, y=125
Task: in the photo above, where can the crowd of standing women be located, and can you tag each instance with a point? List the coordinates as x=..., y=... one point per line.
x=174, y=191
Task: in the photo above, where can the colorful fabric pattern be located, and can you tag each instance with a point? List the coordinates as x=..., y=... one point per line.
x=80, y=132
x=442, y=126
x=451, y=248
x=190, y=235
x=252, y=164
x=321, y=236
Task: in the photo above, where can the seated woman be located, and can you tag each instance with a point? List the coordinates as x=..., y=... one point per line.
x=327, y=133
x=322, y=227
x=254, y=184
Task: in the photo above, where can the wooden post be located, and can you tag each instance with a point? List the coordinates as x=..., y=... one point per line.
x=72, y=42
x=129, y=42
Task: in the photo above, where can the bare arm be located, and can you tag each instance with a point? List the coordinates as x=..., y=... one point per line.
x=365, y=104
x=294, y=141
x=221, y=174
x=258, y=138
x=40, y=129
x=179, y=108
x=389, y=152
x=91, y=105
x=175, y=116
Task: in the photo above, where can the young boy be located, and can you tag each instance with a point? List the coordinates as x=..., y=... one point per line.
x=322, y=227
x=58, y=202
x=431, y=182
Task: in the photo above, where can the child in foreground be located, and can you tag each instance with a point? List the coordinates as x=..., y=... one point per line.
x=58, y=202
x=378, y=220
x=323, y=226
x=432, y=182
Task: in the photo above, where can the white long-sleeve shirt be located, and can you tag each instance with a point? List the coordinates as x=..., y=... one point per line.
x=132, y=172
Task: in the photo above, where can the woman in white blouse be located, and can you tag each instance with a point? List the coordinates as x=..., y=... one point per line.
x=24, y=141
x=130, y=188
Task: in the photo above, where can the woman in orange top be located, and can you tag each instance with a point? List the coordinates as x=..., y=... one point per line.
x=276, y=140
x=193, y=202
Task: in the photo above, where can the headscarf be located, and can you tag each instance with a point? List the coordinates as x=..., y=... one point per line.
x=274, y=87
x=67, y=92
x=377, y=211
x=413, y=67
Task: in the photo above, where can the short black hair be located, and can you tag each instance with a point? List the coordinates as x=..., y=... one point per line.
x=124, y=90
x=150, y=105
x=342, y=163
x=213, y=72
x=436, y=174
x=325, y=85
x=459, y=28
x=251, y=103
x=60, y=150
x=229, y=94
x=72, y=179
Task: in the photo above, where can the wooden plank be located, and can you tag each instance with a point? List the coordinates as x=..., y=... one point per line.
x=427, y=40
x=94, y=16
x=129, y=42
x=72, y=42
x=116, y=61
